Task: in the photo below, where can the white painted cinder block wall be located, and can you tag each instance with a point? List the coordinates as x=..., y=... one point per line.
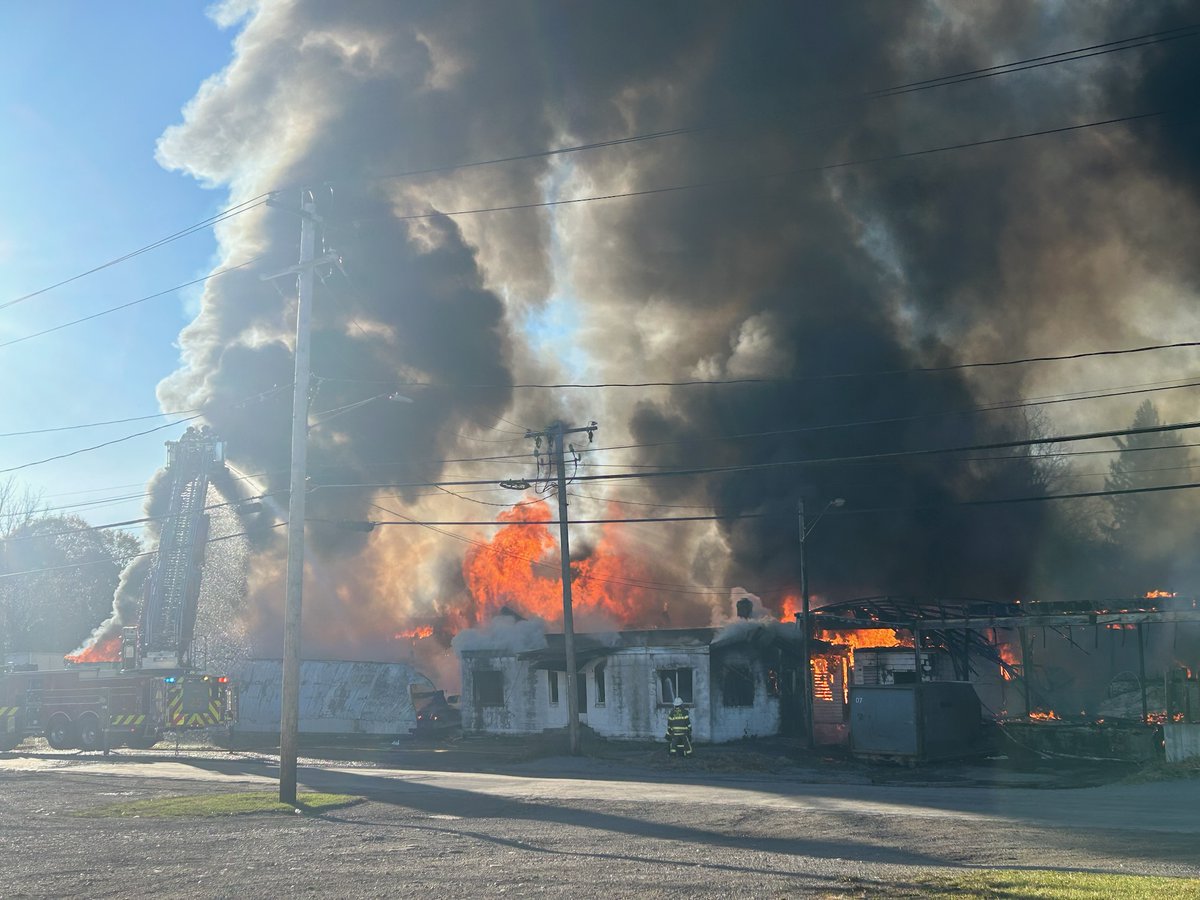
x=633, y=707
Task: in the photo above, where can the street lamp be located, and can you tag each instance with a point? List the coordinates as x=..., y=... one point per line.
x=806, y=626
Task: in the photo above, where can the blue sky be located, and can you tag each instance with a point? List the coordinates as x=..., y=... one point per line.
x=85, y=91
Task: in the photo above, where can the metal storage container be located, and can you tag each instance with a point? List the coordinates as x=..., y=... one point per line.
x=915, y=722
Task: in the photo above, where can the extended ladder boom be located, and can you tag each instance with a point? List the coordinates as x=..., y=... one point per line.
x=173, y=588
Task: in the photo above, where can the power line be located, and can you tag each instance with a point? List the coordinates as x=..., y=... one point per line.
x=826, y=460
x=128, y=437
x=119, y=440
x=731, y=517
x=125, y=560
x=129, y=523
x=112, y=309
x=800, y=379
x=180, y=412
x=236, y=210
x=1021, y=65
x=1149, y=387
x=1090, y=51
x=790, y=173
x=1037, y=62
x=1004, y=405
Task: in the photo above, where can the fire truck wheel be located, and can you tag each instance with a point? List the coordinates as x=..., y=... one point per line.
x=60, y=733
x=90, y=734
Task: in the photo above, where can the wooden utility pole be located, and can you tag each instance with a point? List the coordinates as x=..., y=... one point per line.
x=289, y=724
x=556, y=435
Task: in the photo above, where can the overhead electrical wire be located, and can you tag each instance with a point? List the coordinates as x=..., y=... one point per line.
x=520, y=456
x=261, y=396
x=112, y=309
x=1098, y=394
x=178, y=412
x=767, y=176
x=127, y=559
x=731, y=517
x=826, y=460
x=143, y=520
x=1151, y=387
x=1021, y=65
x=800, y=379
x=235, y=210
x=1150, y=38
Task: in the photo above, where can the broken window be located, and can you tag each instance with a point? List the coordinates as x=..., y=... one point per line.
x=674, y=683
x=599, y=674
x=737, y=686
x=552, y=680
x=489, y=687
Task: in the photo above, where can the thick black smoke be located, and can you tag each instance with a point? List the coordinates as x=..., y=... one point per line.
x=776, y=269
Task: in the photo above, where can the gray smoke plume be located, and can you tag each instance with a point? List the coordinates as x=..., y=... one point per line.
x=776, y=269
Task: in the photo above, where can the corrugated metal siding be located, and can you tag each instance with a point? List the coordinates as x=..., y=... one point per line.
x=335, y=697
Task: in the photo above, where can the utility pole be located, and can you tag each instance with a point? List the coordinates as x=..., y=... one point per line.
x=805, y=630
x=806, y=620
x=289, y=724
x=556, y=435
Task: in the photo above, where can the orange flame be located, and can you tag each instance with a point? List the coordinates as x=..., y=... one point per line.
x=791, y=606
x=108, y=650
x=864, y=637
x=1008, y=656
x=417, y=634
x=1044, y=715
x=1155, y=595
x=822, y=678
x=519, y=569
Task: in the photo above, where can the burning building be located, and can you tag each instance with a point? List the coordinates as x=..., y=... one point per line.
x=737, y=682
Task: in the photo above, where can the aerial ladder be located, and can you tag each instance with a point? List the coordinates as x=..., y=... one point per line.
x=164, y=637
x=168, y=619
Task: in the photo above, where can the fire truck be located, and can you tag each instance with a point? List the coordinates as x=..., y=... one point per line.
x=155, y=686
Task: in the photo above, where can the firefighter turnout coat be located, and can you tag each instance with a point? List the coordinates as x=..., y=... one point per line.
x=679, y=731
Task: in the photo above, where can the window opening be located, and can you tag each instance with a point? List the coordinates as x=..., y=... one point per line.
x=600, y=686
x=489, y=687
x=674, y=683
x=552, y=680
x=737, y=686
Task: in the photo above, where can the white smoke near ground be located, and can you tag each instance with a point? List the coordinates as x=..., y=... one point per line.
x=503, y=633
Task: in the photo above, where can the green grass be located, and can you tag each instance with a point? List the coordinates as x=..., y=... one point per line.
x=219, y=804
x=1025, y=884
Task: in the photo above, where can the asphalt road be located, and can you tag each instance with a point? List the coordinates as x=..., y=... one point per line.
x=558, y=832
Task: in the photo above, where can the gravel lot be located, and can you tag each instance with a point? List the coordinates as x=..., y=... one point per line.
x=560, y=832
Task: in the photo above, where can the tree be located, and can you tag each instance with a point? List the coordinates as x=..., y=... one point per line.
x=1147, y=530
x=1133, y=516
x=19, y=505
x=60, y=575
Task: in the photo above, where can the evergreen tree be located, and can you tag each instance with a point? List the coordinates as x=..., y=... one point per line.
x=1142, y=528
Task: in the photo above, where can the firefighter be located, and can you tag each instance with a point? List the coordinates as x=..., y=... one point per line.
x=679, y=731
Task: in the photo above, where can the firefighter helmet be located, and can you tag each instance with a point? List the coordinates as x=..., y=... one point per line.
x=678, y=702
